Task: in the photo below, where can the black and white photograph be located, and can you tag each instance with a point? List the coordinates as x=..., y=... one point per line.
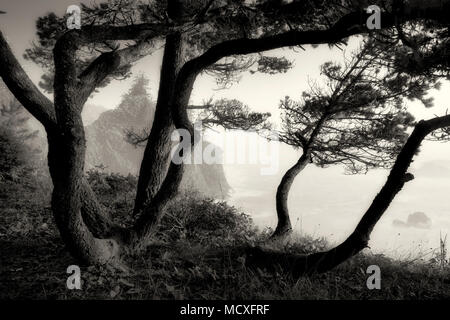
x=224, y=156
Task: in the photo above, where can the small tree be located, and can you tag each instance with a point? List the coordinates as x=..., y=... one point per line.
x=357, y=119
x=301, y=264
x=414, y=54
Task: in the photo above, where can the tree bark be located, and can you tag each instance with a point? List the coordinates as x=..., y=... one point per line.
x=154, y=164
x=284, y=226
x=66, y=204
x=23, y=88
x=66, y=157
x=147, y=223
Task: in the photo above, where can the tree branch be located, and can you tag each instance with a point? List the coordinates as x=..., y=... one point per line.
x=100, y=33
x=23, y=88
x=108, y=62
x=351, y=24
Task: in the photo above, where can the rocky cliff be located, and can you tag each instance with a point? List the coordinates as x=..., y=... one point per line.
x=107, y=146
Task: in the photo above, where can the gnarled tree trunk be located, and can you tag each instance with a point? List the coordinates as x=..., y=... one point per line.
x=284, y=226
x=155, y=162
x=66, y=157
x=67, y=204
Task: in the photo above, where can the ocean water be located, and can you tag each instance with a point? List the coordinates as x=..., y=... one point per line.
x=328, y=203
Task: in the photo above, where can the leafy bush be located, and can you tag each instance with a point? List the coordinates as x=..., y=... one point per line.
x=189, y=216
x=115, y=192
x=194, y=218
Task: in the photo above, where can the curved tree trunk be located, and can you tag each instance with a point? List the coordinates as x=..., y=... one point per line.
x=154, y=165
x=65, y=159
x=147, y=223
x=284, y=226
x=324, y=261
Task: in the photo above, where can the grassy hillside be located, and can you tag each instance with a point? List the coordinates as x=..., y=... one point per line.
x=198, y=254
